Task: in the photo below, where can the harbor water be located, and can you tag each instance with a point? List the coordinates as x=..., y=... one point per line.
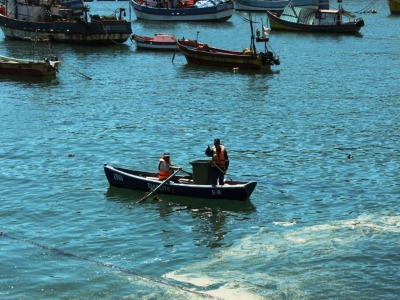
x=319, y=134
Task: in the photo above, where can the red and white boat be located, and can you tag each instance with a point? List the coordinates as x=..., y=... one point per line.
x=160, y=41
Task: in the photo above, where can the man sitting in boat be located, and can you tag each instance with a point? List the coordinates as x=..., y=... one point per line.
x=165, y=167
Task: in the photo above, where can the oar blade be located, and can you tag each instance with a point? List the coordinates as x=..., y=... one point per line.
x=164, y=182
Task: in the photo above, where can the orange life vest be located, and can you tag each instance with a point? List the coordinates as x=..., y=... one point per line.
x=164, y=174
x=218, y=159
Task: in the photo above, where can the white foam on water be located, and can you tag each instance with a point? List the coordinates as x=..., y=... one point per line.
x=227, y=290
x=273, y=261
x=290, y=223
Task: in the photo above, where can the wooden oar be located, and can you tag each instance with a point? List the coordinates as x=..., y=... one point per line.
x=191, y=174
x=221, y=170
x=164, y=182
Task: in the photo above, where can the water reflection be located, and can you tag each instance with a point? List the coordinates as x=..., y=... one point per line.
x=30, y=81
x=211, y=216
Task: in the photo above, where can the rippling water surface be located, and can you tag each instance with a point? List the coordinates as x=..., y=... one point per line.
x=318, y=225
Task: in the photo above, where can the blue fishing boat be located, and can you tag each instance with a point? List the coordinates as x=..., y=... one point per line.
x=67, y=23
x=183, y=10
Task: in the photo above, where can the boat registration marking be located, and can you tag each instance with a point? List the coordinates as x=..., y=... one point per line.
x=164, y=188
x=109, y=28
x=118, y=177
x=216, y=192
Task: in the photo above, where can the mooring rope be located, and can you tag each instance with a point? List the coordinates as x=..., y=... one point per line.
x=81, y=258
x=109, y=36
x=367, y=9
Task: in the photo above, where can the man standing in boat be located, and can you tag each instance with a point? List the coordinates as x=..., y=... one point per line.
x=165, y=167
x=219, y=162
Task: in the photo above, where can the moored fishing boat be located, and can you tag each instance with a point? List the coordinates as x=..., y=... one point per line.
x=27, y=67
x=43, y=19
x=394, y=6
x=160, y=41
x=249, y=58
x=180, y=186
x=183, y=10
x=278, y=5
x=310, y=20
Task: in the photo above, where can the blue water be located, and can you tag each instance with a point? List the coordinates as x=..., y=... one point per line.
x=320, y=225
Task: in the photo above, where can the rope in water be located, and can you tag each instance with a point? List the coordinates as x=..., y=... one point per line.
x=367, y=9
x=74, y=256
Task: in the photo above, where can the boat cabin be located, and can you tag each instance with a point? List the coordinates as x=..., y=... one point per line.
x=316, y=17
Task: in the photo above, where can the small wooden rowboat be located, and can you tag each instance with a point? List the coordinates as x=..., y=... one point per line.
x=203, y=54
x=249, y=58
x=180, y=186
x=160, y=41
x=27, y=67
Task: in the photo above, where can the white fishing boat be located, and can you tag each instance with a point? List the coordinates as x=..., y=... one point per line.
x=278, y=5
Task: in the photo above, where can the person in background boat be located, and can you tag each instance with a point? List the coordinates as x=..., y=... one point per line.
x=219, y=163
x=165, y=167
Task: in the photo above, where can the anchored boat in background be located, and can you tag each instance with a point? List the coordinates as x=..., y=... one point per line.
x=183, y=10
x=310, y=20
x=394, y=6
x=249, y=58
x=160, y=41
x=278, y=5
x=43, y=19
x=27, y=67
x=33, y=66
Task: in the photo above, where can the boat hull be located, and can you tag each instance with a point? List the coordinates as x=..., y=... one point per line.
x=107, y=32
x=272, y=5
x=394, y=6
x=160, y=42
x=27, y=69
x=144, y=181
x=219, y=13
x=277, y=24
x=195, y=54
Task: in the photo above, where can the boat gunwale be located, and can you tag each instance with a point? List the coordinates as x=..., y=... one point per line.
x=149, y=176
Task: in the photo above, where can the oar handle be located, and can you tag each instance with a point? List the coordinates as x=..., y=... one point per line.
x=164, y=182
x=221, y=170
x=191, y=174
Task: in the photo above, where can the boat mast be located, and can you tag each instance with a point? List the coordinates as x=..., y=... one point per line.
x=252, y=43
